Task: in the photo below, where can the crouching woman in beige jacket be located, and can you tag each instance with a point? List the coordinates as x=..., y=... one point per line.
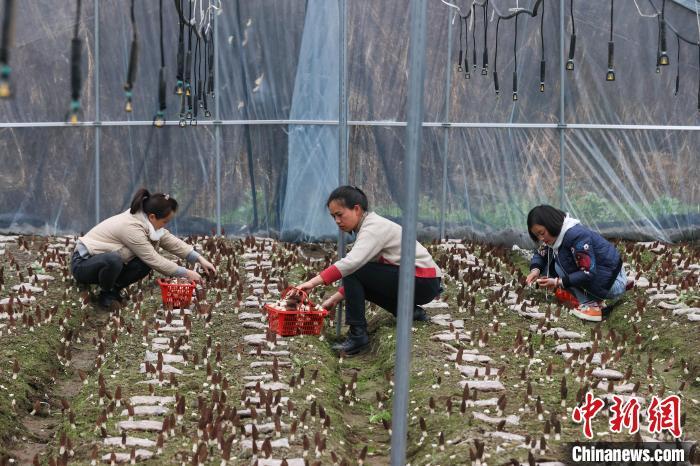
x=124, y=248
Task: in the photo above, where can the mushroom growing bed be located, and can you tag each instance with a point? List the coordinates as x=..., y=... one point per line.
x=496, y=374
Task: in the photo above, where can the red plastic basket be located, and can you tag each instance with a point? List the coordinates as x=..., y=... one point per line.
x=566, y=298
x=179, y=295
x=295, y=322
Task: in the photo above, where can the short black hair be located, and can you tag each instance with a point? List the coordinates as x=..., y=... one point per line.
x=549, y=217
x=158, y=204
x=349, y=196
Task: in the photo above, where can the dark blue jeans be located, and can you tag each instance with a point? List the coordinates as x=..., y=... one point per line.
x=379, y=284
x=107, y=270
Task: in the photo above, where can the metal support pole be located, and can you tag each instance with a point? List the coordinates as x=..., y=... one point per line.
x=562, y=114
x=416, y=73
x=97, y=111
x=446, y=119
x=217, y=125
x=342, y=132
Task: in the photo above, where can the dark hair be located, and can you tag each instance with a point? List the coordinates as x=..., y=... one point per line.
x=158, y=204
x=549, y=217
x=349, y=196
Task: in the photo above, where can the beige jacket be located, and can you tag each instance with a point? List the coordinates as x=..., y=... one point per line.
x=379, y=240
x=127, y=234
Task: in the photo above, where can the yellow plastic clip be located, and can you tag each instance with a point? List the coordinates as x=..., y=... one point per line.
x=5, y=89
x=159, y=120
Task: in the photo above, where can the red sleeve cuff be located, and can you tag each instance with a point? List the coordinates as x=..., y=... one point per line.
x=331, y=274
x=341, y=290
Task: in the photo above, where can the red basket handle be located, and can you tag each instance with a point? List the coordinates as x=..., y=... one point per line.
x=289, y=289
x=304, y=295
x=166, y=281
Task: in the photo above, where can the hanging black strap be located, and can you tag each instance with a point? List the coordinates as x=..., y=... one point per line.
x=612, y=17
x=515, y=61
x=459, y=59
x=662, y=32
x=474, y=36
x=133, y=61
x=180, y=12
x=159, y=119
x=201, y=52
x=197, y=84
x=7, y=33
x=467, y=74
x=496, y=86
x=678, y=65
x=572, y=43
x=75, y=77
x=485, y=57
x=205, y=89
x=188, y=61
x=610, y=76
x=543, y=63
x=180, y=49
x=210, y=79
x=515, y=15
x=658, y=44
x=161, y=91
x=7, y=24
x=205, y=39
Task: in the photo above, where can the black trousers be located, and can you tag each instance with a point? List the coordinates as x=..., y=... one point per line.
x=107, y=270
x=379, y=284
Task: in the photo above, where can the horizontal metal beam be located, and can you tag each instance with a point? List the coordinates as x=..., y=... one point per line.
x=61, y=124
x=427, y=124
x=635, y=127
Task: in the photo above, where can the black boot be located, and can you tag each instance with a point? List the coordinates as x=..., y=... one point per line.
x=419, y=315
x=118, y=295
x=105, y=300
x=357, y=341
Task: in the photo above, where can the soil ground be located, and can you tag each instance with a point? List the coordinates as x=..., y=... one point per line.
x=662, y=351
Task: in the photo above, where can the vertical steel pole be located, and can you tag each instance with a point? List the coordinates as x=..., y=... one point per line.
x=416, y=73
x=562, y=114
x=97, y=111
x=342, y=131
x=217, y=125
x=446, y=119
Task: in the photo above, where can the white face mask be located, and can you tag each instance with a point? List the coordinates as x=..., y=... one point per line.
x=153, y=234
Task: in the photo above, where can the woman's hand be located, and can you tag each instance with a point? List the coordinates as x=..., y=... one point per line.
x=534, y=273
x=194, y=276
x=548, y=282
x=311, y=284
x=306, y=286
x=331, y=302
x=207, y=266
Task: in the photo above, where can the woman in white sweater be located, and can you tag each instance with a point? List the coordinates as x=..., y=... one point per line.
x=370, y=271
x=123, y=249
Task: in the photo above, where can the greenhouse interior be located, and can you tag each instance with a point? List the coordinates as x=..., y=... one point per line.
x=207, y=208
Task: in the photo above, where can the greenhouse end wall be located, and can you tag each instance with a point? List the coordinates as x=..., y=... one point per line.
x=603, y=151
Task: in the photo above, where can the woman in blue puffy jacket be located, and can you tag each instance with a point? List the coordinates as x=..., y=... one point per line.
x=575, y=258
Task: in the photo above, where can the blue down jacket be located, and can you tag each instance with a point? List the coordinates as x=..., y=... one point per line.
x=589, y=261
